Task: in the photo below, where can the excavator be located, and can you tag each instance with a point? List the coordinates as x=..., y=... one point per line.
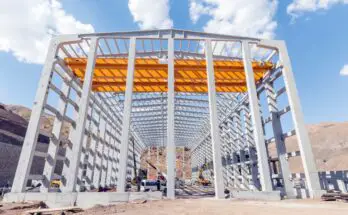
x=201, y=180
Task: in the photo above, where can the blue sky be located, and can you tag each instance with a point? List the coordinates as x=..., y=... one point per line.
x=316, y=35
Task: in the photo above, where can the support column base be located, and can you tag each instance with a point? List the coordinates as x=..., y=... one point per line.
x=80, y=199
x=316, y=194
x=256, y=195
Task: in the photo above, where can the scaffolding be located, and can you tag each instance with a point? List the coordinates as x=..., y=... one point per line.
x=226, y=98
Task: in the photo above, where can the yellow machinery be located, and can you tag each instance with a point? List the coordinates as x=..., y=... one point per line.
x=201, y=180
x=56, y=183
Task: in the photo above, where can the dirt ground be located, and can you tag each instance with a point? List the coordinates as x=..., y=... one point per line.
x=211, y=206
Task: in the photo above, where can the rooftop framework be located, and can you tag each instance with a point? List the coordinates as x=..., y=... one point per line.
x=126, y=91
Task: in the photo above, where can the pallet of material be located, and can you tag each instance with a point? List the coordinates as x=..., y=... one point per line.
x=335, y=197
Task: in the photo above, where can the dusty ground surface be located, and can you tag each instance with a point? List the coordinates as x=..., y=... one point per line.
x=209, y=206
x=212, y=206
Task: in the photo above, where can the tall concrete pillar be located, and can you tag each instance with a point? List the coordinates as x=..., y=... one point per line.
x=214, y=126
x=308, y=160
x=53, y=147
x=121, y=183
x=262, y=157
x=98, y=153
x=279, y=142
x=171, y=154
x=70, y=173
x=30, y=140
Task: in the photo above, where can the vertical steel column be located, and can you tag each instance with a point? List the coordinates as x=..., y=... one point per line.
x=308, y=160
x=215, y=134
x=121, y=183
x=171, y=152
x=53, y=147
x=30, y=140
x=279, y=142
x=265, y=176
x=70, y=175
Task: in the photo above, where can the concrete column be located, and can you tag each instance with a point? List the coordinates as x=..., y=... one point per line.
x=30, y=140
x=262, y=158
x=171, y=151
x=183, y=163
x=70, y=175
x=214, y=126
x=50, y=162
x=254, y=183
x=121, y=183
x=308, y=160
x=80, y=173
x=99, y=151
x=280, y=144
x=115, y=164
x=92, y=148
x=110, y=157
x=105, y=155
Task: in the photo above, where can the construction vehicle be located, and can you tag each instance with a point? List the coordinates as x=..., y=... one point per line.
x=201, y=180
x=56, y=183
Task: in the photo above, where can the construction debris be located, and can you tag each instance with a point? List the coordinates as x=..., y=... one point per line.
x=335, y=197
x=51, y=210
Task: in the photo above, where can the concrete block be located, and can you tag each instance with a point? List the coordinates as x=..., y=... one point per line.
x=318, y=193
x=90, y=199
x=55, y=200
x=256, y=195
x=35, y=196
x=118, y=197
x=157, y=195
x=14, y=197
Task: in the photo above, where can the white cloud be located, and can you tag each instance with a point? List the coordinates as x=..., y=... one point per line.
x=298, y=7
x=344, y=70
x=27, y=26
x=253, y=18
x=151, y=14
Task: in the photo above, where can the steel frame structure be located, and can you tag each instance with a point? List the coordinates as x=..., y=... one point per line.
x=226, y=130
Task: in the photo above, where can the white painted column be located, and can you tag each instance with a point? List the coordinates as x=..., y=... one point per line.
x=70, y=175
x=171, y=153
x=53, y=146
x=105, y=155
x=214, y=126
x=110, y=157
x=279, y=142
x=183, y=163
x=30, y=140
x=98, y=153
x=262, y=158
x=121, y=183
x=92, y=148
x=308, y=160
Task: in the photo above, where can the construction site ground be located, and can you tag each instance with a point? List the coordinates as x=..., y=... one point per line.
x=207, y=206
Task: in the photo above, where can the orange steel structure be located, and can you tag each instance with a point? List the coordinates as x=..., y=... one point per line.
x=151, y=75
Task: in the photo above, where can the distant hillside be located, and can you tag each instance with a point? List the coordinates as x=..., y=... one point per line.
x=329, y=143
